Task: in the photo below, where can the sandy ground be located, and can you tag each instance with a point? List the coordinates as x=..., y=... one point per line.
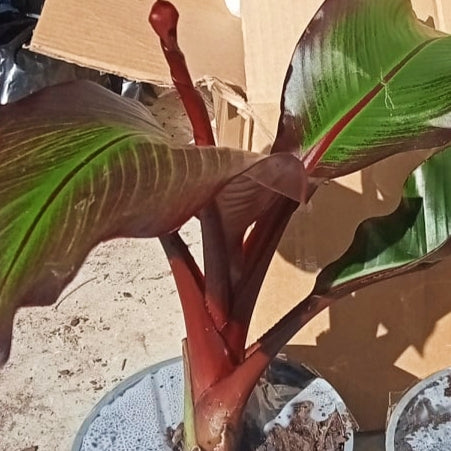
x=120, y=314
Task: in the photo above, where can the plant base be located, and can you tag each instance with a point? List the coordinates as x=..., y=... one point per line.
x=139, y=412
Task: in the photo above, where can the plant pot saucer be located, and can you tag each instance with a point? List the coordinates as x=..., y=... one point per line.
x=421, y=421
x=137, y=413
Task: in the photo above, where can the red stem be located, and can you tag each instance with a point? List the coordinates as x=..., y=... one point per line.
x=260, y=355
x=216, y=263
x=163, y=18
x=259, y=251
x=208, y=353
x=314, y=155
x=225, y=405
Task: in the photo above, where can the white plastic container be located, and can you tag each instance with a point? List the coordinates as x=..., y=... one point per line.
x=136, y=415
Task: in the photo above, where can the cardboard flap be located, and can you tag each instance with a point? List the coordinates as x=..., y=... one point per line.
x=114, y=36
x=279, y=26
x=438, y=10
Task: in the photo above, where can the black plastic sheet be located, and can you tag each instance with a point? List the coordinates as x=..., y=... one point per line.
x=23, y=72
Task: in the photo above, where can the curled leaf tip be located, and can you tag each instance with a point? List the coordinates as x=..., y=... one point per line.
x=163, y=18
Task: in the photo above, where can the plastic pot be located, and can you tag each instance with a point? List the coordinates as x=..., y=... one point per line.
x=136, y=415
x=421, y=421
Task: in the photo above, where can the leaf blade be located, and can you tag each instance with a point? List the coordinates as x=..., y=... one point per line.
x=79, y=165
x=417, y=233
x=352, y=57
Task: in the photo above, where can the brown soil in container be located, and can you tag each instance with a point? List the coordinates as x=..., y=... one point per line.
x=305, y=434
x=302, y=434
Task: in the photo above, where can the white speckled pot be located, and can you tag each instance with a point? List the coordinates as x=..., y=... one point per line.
x=421, y=421
x=136, y=414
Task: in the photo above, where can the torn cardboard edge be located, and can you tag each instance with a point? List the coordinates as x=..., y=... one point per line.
x=238, y=122
x=132, y=74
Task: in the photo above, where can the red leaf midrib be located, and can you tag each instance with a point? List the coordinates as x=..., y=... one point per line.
x=314, y=155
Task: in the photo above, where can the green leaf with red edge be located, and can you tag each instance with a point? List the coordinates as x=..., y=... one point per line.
x=80, y=165
x=417, y=234
x=367, y=80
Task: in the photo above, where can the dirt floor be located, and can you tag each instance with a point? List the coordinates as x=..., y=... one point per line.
x=119, y=315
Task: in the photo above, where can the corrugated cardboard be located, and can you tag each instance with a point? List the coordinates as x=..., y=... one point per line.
x=278, y=26
x=368, y=345
x=115, y=37
x=439, y=10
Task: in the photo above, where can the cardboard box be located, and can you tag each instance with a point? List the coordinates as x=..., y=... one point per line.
x=115, y=37
x=379, y=340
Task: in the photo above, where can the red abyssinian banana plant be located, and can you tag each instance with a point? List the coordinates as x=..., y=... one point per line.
x=80, y=165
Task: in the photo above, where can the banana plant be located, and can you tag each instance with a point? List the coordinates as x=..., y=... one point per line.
x=80, y=165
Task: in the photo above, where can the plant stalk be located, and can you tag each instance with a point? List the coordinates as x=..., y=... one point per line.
x=164, y=18
x=209, y=356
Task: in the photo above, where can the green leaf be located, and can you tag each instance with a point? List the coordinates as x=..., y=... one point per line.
x=80, y=165
x=367, y=80
x=415, y=235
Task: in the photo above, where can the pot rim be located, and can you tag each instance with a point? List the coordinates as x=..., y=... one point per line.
x=115, y=393
x=403, y=403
